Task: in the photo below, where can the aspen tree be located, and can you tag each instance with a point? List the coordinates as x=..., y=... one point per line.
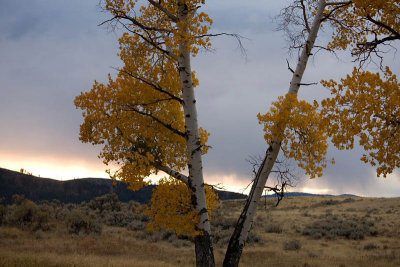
x=246, y=219
x=146, y=117
x=363, y=104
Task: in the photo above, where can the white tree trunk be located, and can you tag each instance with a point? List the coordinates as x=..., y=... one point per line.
x=204, y=249
x=246, y=219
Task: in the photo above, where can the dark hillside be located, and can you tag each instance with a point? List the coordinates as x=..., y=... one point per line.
x=74, y=191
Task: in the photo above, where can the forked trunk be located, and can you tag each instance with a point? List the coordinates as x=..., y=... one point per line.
x=203, y=243
x=246, y=219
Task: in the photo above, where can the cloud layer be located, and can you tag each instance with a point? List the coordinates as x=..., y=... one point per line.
x=53, y=50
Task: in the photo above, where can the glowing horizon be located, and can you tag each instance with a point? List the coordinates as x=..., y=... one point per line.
x=64, y=168
x=54, y=167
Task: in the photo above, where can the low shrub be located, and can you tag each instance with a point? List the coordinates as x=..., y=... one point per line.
x=349, y=200
x=328, y=202
x=332, y=227
x=18, y=199
x=27, y=215
x=292, y=245
x=221, y=237
x=274, y=228
x=370, y=246
x=254, y=238
x=77, y=223
x=136, y=225
x=109, y=202
x=118, y=218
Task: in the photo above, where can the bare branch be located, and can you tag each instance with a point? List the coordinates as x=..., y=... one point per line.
x=236, y=36
x=307, y=84
x=289, y=68
x=279, y=191
x=305, y=16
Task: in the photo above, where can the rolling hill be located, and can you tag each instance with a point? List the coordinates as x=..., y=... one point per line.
x=75, y=191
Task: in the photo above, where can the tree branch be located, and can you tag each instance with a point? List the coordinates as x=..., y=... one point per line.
x=236, y=36
x=305, y=16
x=339, y=3
x=175, y=174
x=166, y=125
x=163, y=9
x=140, y=25
x=390, y=29
x=289, y=68
x=307, y=84
x=151, y=42
x=157, y=87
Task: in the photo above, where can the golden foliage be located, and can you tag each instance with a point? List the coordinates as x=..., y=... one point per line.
x=364, y=104
x=138, y=116
x=353, y=25
x=197, y=23
x=171, y=207
x=367, y=106
x=300, y=128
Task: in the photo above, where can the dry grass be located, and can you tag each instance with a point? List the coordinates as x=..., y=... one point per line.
x=282, y=242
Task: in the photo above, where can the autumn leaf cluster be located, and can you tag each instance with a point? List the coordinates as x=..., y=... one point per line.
x=359, y=23
x=171, y=207
x=300, y=128
x=367, y=106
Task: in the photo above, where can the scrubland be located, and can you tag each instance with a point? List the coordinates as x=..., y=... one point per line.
x=301, y=231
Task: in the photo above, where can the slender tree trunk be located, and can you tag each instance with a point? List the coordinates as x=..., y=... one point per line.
x=246, y=219
x=203, y=244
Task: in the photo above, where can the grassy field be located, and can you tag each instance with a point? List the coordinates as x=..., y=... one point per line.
x=301, y=231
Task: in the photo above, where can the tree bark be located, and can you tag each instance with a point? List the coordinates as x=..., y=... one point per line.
x=246, y=219
x=203, y=243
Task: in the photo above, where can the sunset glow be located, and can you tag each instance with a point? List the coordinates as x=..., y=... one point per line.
x=55, y=168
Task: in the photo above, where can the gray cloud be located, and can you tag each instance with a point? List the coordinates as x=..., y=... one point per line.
x=53, y=50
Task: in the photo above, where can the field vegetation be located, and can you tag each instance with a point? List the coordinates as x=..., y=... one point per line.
x=301, y=231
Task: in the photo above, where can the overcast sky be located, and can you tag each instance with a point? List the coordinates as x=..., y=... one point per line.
x=53, y=50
